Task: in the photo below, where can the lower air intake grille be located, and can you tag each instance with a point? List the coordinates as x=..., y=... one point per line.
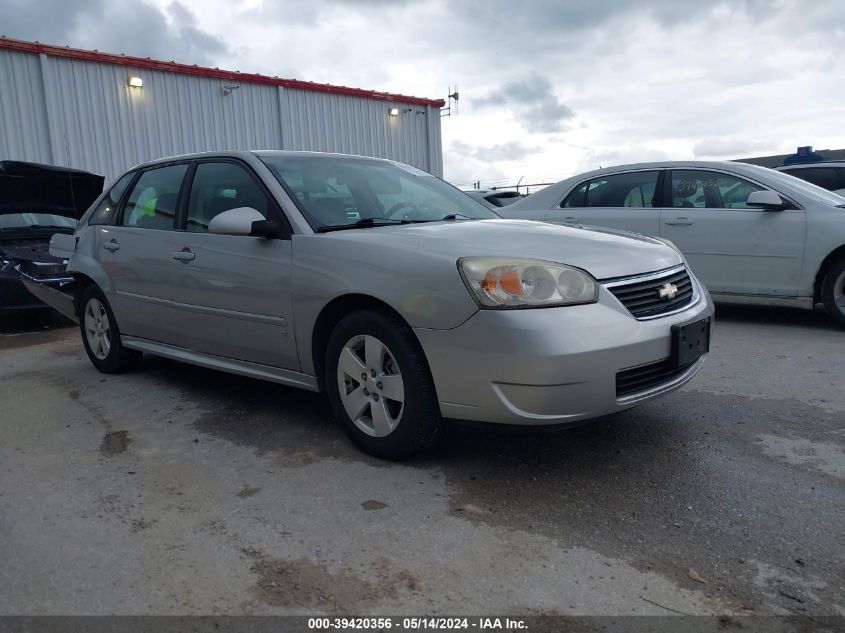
x=646, y=377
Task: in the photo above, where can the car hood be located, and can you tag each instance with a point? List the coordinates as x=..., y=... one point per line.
x=46, y=189
x=27, y=250
x=604, y=253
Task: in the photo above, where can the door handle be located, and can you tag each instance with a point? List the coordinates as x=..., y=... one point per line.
x=111, y=246
x=681, y=221
x=185, y=255
x=570, y=219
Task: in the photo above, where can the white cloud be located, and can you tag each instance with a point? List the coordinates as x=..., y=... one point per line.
x=533, y=101
x=612, y=81
x=169, y=32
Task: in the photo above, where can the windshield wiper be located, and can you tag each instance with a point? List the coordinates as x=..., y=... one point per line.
x=50, y=226
x=364, y=223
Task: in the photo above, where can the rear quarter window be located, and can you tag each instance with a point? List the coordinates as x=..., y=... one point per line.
x=630, y=189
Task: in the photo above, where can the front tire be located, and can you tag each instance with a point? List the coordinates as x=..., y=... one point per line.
x=100, y=335
x=380, y=387
x=833, y=292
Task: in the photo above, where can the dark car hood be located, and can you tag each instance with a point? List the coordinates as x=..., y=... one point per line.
x=46, y=189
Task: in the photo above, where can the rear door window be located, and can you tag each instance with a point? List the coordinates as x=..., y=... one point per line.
x=633, y=190
x=152, y=203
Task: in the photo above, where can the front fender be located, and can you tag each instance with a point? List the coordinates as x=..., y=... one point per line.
x=424, y=288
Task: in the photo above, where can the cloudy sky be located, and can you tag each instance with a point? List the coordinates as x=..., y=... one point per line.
x=548, y=88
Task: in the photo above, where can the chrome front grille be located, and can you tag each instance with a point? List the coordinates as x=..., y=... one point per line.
x=656, y=294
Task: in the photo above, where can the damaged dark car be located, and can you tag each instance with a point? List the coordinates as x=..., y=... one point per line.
x=37, y=201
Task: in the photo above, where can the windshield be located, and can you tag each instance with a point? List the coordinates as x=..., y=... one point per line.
x=35, y=220
x=806, y=188
x=340, y=191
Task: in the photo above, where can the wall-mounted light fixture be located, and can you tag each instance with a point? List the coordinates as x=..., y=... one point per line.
x=393, y=112
x=136, y=82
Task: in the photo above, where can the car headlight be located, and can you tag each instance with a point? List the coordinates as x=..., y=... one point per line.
x=507, y=282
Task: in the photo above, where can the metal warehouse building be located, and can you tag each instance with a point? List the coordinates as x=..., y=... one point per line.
x=104, y=113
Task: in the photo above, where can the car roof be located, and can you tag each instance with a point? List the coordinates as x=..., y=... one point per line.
x=748, y=169
x=246, y=154
x=825, y=163
x=676, y=164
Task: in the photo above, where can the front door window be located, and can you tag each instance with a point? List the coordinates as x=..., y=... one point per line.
x=697, y=189
x=152, y=203
x=219, y=187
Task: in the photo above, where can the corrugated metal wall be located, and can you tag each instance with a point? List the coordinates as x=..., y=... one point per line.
x=24, y=131
x=82, y=114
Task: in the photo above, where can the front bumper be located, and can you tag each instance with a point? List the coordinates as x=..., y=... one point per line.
x=16, y=291
x=550, y=366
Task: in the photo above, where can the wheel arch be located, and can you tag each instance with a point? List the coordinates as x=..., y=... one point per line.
x=330, y=316
x=834, y=256
x=82, y=282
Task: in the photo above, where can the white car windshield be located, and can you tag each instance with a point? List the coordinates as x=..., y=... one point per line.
x=29, y=220
x=341, y=191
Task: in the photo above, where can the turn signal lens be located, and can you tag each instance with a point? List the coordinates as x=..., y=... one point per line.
x=498, y=282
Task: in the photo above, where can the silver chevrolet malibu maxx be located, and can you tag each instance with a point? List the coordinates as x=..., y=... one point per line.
x=404, y=299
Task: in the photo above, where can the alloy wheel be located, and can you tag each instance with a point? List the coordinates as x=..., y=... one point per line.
x=97, y=328
x=370, y=384
x=839, y=292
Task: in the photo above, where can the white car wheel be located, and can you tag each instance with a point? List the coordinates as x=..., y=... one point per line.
x=97, y=328
x=380, y=386
x=370, y=385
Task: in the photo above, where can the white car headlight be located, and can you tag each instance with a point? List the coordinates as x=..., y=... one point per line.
x=507, y=282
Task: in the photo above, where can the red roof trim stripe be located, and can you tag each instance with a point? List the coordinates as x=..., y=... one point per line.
x=215, y=73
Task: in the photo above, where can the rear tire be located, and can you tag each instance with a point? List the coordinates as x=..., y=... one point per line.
x=833, y=292
x=101, y=336
x=380, y=387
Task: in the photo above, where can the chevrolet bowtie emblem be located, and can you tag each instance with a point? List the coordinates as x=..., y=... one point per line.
x=668, y=291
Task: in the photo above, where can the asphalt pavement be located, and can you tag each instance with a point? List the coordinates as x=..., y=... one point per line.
x=174, y=489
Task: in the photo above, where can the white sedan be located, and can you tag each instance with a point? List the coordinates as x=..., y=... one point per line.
x=751, y=234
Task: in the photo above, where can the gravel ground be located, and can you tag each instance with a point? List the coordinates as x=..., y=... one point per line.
x=178, y=490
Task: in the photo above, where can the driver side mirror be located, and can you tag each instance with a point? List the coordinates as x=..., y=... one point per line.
x=766, y=200
x=243, y=221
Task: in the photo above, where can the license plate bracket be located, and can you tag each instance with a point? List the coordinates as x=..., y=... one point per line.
x=690, y=341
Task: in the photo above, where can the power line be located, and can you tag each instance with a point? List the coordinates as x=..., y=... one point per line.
x=520, y=184
x=523, y=183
